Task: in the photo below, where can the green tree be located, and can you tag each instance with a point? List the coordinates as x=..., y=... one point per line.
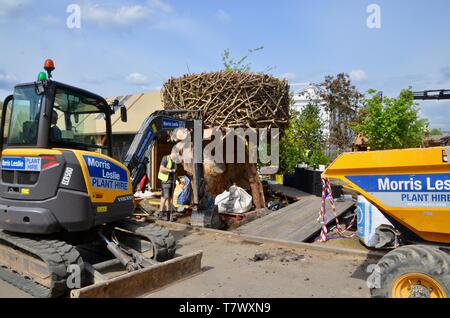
x=302, y=139
x=391, y=123
x=310, y=126
x=435, y=132
x=290, y=151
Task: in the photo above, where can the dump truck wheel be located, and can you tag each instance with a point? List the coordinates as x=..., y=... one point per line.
x=414, y=271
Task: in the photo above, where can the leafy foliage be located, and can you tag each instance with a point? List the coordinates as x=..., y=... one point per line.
x=391, y=123
x=310, y=126
x=231, y=64
x=435, y=132
x=290, y=152
x=317, y=158
x=302, y=140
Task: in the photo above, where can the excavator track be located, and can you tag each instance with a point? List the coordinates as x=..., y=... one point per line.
x=29, y=252
x=164, y=244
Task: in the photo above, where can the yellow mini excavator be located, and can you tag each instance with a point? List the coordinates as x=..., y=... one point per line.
x=61, y=192
x=411, y=188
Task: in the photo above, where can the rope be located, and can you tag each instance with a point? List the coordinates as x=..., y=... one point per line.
x=328, y=195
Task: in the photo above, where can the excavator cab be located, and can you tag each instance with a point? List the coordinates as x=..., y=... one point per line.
x=49, y=114
x=64, y=201
x=57, y=173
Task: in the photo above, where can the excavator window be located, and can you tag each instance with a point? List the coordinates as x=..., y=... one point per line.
x=24, y=119
x=75, y=122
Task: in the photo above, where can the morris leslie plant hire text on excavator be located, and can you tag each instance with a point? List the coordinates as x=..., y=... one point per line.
x=62, y=193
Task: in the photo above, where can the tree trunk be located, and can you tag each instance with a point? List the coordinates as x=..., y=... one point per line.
x=255, y=186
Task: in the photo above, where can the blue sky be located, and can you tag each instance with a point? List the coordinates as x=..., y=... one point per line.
x=131, y=46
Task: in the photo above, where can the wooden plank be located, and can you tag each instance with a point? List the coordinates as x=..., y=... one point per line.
x=296, y=225
x=144, y=281
x=280, y=218
x=311, y=227
x=375, y=254
x=276, y=242
x=296, y=222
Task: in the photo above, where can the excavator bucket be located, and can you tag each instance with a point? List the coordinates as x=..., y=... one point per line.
x=411, y=187
x=206, y=218
x=140, y=282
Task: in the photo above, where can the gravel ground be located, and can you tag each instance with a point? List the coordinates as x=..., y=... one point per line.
x=232, y=268
x=235, y=269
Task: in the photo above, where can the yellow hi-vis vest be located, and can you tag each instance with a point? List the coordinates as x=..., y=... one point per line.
x=163, y=176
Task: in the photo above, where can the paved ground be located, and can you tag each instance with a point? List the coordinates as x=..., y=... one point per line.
x=230, y=269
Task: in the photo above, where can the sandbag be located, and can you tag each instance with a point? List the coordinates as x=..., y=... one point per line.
x=237, y=200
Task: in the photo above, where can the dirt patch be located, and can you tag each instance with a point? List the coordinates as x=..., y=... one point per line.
x=281, y=255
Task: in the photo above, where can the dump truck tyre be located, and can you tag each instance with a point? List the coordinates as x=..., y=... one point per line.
x=414, y=271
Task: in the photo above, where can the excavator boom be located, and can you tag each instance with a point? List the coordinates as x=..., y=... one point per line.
x=157, y=122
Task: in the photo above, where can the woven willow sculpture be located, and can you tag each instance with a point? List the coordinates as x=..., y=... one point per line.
x=231, y=99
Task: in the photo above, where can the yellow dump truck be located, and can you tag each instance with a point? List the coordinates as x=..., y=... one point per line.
x=411, y=188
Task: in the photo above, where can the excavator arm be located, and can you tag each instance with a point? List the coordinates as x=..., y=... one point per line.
x=136, y=161
x=158, y=122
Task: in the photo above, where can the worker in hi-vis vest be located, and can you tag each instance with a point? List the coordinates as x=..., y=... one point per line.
x=167, y=176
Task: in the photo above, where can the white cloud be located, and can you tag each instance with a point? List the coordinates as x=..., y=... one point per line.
x=51, y=20
x=121, y=16
x=160, y=5
x=223, y=16
x=125, y=15
x=358, y=75
x=180, y=25
x=7, y=81
x=288, y=76
x=91, y=80
x=137, y=79
x=9, y=9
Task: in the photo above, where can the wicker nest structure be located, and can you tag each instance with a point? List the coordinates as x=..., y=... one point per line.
x=231, y=98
